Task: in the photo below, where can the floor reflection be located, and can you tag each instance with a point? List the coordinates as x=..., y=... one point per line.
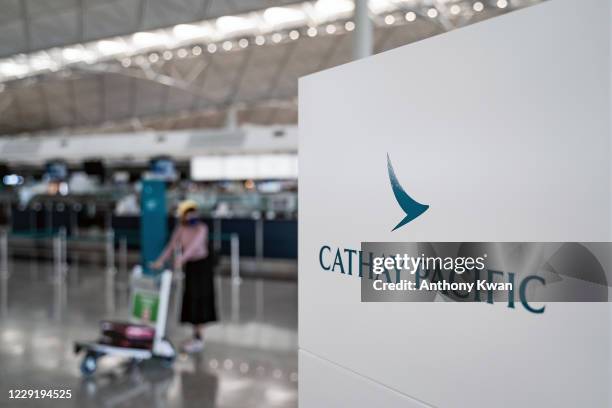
x=250, y=358
x=139, y=385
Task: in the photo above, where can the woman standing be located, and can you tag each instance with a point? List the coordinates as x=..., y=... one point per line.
x=191, y=237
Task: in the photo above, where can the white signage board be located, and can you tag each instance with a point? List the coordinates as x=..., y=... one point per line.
x=503, y=129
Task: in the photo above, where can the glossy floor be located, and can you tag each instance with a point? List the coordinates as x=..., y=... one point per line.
x=250, y=358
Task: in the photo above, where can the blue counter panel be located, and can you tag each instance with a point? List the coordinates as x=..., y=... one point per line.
x=280, y=239
x=245, y=228
x=279, y=236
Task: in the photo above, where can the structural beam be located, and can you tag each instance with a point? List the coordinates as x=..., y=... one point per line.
x=364, y=31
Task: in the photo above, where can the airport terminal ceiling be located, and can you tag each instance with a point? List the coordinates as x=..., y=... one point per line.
x=79, y=66
x=172, y=234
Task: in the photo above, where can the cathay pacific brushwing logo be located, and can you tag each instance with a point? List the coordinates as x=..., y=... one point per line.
x=411, y=207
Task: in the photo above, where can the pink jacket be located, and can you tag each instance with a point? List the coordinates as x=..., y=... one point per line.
x=192, y=240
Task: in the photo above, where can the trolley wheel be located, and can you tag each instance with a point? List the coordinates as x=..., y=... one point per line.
x=167, y=362
x=135, y=361
x=89, y=364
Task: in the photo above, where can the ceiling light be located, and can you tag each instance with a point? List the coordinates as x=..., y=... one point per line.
x=11, y=68
x=380, y=6
x=108, y=47
x=478, y=6
x=227, y=45
x=126, y=62
x=312, y=32
x=153, y=58
x=232, y=24
x=389, y=19
x=148, y=39
x=277, y=37
x=332, y=8
x=243, y=43
x=294, y=34
x=197, y=50
x=432, y=13
x=330, y=29
x=212, y=48
x=189, y=31
x=410, y=16
x=40, y=62
x=182, y=53
x=455, y=9
x=167, y=55
x=502, y=4
x=349, y=26
x=73, y=54
x=282, y=15
x=260, y=40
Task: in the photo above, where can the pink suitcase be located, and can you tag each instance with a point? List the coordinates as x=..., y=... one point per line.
x=123, y=342
x=126, y=330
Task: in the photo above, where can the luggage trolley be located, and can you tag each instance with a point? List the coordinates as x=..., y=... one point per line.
x=137, y=339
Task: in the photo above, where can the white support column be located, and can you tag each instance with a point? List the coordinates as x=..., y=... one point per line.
x=364, y=31
x=231, y=120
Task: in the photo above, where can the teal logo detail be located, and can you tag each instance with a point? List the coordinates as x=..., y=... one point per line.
x=411, y=207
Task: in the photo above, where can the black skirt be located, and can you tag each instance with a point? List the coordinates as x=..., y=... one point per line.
x=199, y=293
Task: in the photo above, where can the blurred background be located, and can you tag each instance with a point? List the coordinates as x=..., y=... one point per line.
x=100, y=98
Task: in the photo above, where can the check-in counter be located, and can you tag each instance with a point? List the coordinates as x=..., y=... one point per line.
x=272, y=239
